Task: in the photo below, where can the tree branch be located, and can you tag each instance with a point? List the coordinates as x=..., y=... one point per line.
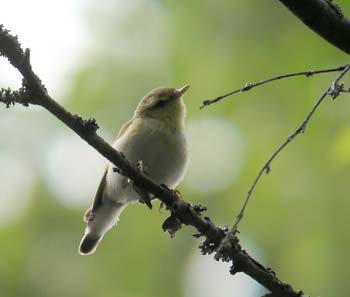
x=249, y=86
x=34, y=92
x=325, y=18
x=334, y=90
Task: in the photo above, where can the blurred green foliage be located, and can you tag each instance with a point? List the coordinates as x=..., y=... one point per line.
x=298, y=215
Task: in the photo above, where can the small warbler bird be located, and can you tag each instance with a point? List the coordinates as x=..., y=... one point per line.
x=155, y=137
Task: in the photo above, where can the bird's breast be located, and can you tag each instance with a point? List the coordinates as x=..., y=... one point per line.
x=162, y=150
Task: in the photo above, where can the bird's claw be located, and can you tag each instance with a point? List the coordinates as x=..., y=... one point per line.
x=146, y=200
x=176, y=193
x=144, y=196
x=161, y=207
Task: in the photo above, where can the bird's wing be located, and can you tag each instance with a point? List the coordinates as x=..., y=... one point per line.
x=124, y=128
x=99, y=193
x=101, y=187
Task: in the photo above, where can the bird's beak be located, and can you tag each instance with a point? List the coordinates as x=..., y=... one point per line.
x=181, y=91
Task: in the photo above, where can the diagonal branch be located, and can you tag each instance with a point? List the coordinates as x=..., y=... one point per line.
x=325, y=18
x=186, y=213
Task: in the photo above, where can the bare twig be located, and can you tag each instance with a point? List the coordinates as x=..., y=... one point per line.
x=185, y=213
x=249, y=86
x=334, y=91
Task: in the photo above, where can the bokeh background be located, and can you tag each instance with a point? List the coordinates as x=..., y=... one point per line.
x=98, y=58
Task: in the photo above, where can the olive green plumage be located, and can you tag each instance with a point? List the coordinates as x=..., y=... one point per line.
x=156, y=137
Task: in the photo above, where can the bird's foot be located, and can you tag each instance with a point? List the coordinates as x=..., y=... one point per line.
x=175, y=193
x=161, y=207
x=144, y=197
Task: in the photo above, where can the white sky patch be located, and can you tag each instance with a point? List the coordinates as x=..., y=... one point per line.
x=205, y=277
x=216, y=155
x=53, y=32
x=140, y=31
x=16, y=183
x=74, y=170
x=23, y=132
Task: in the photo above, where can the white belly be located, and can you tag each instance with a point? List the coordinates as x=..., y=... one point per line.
x=162, y=151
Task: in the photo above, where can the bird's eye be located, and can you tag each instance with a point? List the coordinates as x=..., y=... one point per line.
x=159, y=103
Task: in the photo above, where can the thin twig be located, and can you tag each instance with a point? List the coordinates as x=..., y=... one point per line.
x=334, y=91
x=249, y=86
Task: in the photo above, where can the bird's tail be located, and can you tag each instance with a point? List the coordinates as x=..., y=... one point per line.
x=89, y=244
x=104, y=218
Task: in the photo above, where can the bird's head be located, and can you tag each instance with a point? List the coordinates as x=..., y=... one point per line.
x=164, y=104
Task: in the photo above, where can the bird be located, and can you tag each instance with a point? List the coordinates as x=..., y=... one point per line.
x=155, y=138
